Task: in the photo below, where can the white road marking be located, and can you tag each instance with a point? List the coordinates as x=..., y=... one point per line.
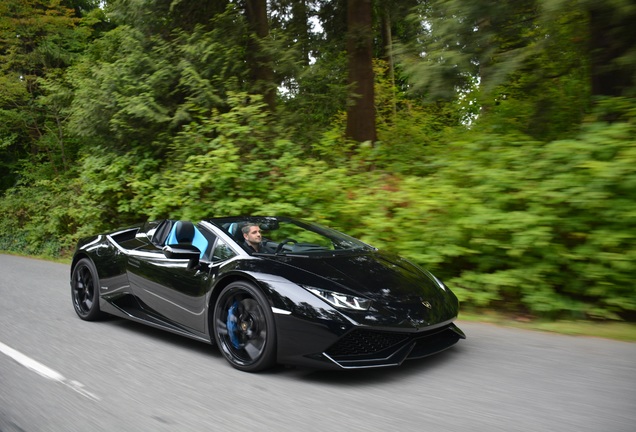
x=45, y=371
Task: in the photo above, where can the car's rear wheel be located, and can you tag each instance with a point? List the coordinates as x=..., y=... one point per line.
x=244, y=327
x=85, y=290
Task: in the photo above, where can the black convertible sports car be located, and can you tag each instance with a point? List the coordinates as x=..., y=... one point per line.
x=309, y=296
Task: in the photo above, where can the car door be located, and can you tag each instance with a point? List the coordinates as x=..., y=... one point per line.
x=170, y=289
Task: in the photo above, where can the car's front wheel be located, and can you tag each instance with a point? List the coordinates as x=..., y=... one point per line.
x=244, y=327
x=85, y=290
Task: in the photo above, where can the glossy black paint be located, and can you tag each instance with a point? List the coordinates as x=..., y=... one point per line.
x=171, y=288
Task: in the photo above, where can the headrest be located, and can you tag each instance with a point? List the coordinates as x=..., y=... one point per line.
x=184, y=232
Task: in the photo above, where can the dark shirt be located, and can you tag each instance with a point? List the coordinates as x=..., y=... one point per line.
x=251, y=248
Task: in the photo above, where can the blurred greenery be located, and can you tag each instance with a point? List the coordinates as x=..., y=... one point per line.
x=616, y=330
x=505, y=163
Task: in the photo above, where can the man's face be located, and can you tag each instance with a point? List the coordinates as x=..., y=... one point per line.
x=254, y=235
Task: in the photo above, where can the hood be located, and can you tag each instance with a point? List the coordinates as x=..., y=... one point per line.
x=372, y=275
x=400, y=290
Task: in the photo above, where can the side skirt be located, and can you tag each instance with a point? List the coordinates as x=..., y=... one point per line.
x=130, y=309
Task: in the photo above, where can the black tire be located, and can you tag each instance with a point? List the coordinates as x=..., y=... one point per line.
x=85, y=290
x=243, y=326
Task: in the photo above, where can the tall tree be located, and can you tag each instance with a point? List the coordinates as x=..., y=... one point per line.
x=38, y=40
x=527, y=57
x=292, y=19
x=394, y=26
x=612, y=39
x=360, y=106
x=162, y=17
x=137, y=89
x=258, y=58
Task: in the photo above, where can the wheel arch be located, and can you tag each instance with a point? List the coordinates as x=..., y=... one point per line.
x=76, y=258
x=270, y=295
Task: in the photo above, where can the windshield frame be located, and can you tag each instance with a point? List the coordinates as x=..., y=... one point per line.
x=342, y=243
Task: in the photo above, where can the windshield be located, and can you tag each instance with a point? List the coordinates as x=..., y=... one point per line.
x=288, y=236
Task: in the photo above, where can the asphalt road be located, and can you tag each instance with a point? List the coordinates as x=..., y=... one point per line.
x=58, y=373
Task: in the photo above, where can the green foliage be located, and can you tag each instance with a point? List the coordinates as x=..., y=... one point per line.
x=36, y=219
x=128, y=114
x=116, y=95
x=233, y=162
x=508, y=222
x=110, y=183
x=137, y=90
x=518, y=225
x=521, y=66
x=316, y=96
x=38, y=39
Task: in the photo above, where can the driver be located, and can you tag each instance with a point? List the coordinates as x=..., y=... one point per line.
x=253, y=237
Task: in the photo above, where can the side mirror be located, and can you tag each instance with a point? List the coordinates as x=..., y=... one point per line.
x=183, y=251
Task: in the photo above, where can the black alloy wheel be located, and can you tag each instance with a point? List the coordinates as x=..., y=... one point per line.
x=244, y=327
x=85, y=290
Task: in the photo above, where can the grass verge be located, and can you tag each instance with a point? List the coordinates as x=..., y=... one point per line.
x=617, y=330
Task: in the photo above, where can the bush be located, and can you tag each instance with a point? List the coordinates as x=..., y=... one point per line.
x=508, y=222
x=519, y=225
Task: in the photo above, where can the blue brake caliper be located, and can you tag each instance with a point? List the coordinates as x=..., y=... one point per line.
x=232, y=325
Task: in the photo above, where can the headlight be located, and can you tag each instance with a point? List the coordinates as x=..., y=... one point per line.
x=340, y=300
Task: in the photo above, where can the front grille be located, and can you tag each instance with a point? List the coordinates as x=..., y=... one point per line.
x=365, y=343
x=362, y=348
x=434, y=343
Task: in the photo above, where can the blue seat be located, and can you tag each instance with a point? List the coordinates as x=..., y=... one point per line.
x=186, y=232
x=235, y=230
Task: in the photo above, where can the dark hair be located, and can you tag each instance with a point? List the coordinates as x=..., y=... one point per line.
x=246, y=227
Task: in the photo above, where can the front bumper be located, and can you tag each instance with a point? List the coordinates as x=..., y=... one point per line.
x=365, y=348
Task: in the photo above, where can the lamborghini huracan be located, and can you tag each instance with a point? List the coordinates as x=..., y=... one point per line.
x=296, y=293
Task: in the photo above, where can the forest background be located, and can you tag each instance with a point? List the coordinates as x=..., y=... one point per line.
x=491, y=142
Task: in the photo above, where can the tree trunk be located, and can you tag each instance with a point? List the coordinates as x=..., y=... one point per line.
x=612, y=36
x=300, y=28
x=360, y=106
x=387, y=41
x=258, y=59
